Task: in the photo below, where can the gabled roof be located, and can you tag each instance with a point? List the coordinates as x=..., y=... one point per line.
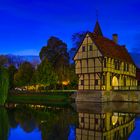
x=97, y=29
x=109, y=48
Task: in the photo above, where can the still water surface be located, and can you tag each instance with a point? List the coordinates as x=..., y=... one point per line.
x=81, y=121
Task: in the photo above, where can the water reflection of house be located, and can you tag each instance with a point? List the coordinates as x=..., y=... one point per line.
x=100, y=125
x=103, y=64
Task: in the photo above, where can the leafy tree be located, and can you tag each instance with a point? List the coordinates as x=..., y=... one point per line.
x=42, y=53
x=3, y=60
x=11, y=70
x=45, y=74
x=24, y=74
x=77, y=38
x=4, y=85
x=56, y=53
x=73, y=77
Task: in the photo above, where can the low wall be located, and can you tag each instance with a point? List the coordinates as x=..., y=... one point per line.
x=107, y=96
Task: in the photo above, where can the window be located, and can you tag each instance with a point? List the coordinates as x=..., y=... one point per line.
x=138, y=83
x=104, y=62
x=82, y=82
x=110, y=80
x=90, y=48
x=82, y=119
x=127, y=67
x=117, y=64
x=96, y=121
x=96, y=82
x=124, y=81
x=103, y=80
x=83, y=48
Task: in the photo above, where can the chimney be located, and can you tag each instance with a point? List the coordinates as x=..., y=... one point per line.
x=115, y=38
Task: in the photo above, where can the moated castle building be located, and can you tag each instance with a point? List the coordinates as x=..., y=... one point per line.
x=103, y=64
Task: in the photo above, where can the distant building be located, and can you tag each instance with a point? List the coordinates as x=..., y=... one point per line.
x=103, y=64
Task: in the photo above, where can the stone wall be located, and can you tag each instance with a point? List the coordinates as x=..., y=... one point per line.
x=107, y=96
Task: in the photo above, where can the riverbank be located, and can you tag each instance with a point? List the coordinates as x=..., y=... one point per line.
x=49, y=98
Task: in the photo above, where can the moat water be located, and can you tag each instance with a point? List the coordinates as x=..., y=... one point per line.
x=81, y=121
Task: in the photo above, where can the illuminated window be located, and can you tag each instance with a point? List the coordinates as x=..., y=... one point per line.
x=83, y=48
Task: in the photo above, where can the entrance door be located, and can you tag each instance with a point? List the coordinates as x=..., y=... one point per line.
x=115, y=82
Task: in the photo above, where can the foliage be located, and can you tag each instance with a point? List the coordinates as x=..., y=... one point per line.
x=56, y=53
x=11, y=70
x=45, y=74
x=4, y=85
x=77, y=38
x=73, y=77
x=24, y=74
x=3, y=60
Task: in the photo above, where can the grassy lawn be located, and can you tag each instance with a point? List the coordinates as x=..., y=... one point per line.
x=39, y=98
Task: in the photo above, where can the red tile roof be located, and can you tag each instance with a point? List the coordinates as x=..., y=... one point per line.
x=109, y=48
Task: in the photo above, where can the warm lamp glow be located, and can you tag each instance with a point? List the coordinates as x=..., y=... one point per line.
x=115, y=81
x=114, y=118
x=65, y=83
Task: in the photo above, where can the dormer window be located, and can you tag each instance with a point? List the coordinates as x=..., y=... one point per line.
x=83, y=48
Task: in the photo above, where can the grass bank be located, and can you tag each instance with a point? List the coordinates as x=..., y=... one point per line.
x=41, y=98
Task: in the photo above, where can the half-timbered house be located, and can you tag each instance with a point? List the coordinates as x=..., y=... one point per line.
x=103, y=64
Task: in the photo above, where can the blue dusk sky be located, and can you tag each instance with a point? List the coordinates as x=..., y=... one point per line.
x=26, y=25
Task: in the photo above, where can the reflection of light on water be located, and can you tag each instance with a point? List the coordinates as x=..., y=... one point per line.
x=72, y=135
x=114, y=118
x=19, y=134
